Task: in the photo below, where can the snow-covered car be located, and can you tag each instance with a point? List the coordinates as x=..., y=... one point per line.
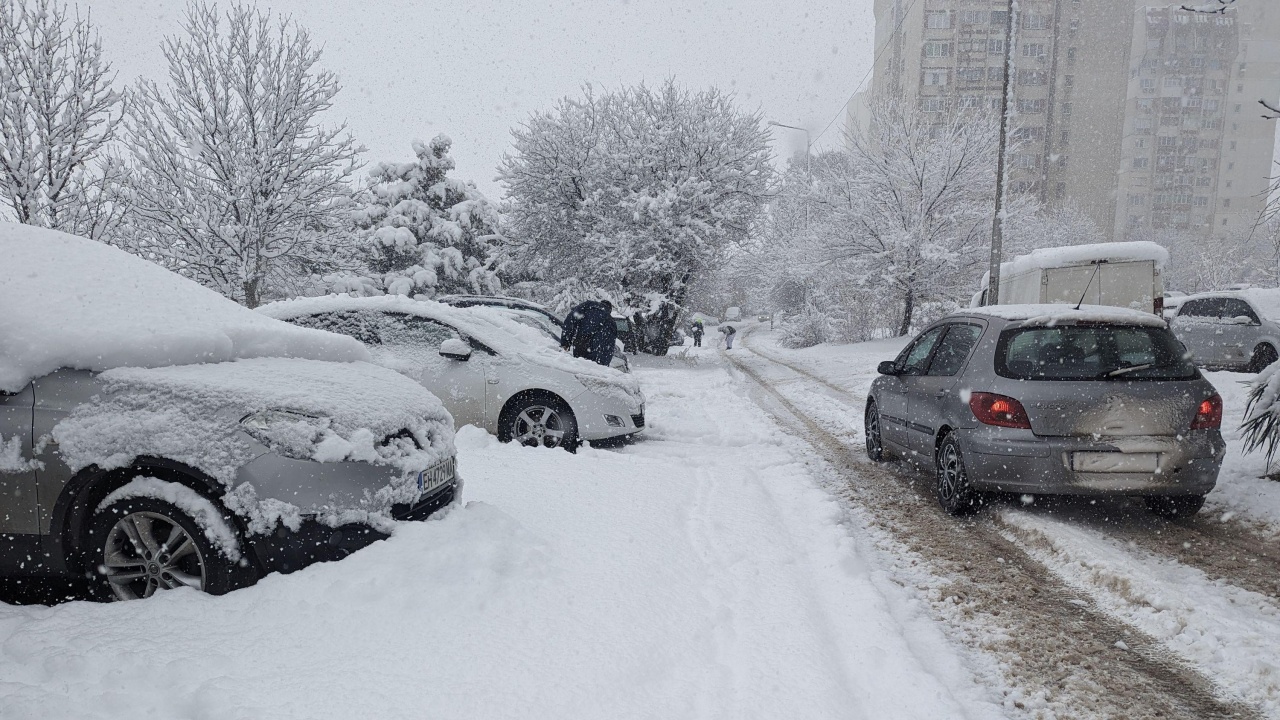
x=531, y=313
x=1230, y=330
x=1050, y=399
x=155, y=435
x=489, y=369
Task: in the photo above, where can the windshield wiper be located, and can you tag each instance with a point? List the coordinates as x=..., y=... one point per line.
x=1128, y=369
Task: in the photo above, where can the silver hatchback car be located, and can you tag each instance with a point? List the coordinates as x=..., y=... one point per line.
x=1230, y=330
x=1044, y=399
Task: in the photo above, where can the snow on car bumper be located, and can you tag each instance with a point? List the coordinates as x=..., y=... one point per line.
x=593, y=413
x=1021, y=462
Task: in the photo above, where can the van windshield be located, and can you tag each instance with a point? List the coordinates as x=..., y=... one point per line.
x=1092, y=352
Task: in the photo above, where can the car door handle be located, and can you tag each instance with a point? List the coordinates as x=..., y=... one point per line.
x=940, y=393
x=493, y=382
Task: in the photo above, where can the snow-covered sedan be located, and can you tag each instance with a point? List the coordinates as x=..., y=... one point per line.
x=155, y=435
x=490, y=370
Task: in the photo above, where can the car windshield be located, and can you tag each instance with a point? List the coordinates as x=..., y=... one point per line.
x=1092, y=352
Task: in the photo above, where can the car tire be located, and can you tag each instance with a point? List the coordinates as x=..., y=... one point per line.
x=1174, y=506
x=1263, y=356
x=955, y=493
x=871, y=429
x=129, y=543
x=539, y=420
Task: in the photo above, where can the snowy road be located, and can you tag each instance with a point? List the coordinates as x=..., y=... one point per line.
x=700, y=573
x=1083, y=609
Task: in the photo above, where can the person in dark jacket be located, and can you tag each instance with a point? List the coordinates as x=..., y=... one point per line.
x=590, y=332
x=697, y=333
x=729, y=333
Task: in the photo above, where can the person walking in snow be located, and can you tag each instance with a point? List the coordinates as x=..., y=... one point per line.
x=590, y=332
x=729, y=332
x=697, y=330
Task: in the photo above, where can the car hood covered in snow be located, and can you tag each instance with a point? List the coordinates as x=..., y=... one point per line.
x=493, y=327
x=76, y=303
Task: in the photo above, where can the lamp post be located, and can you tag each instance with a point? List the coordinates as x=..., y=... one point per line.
x=997, y=222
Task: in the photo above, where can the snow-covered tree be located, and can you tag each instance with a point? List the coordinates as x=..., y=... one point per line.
x=235, y=183
x=634, y=194
x=426, y=233
x=57, y=115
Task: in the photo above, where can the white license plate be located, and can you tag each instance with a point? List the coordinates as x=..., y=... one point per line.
x=1115, y=462
x=436, y=476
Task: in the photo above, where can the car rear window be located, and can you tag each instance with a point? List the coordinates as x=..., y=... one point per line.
x=1092, y=352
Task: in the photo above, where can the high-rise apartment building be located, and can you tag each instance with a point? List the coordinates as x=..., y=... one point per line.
x=1144, y=116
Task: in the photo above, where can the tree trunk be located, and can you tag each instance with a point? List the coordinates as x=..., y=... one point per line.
x=252, y=292
x=907, y=311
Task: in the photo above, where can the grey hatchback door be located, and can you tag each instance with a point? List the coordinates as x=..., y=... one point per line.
x=18, y=510
x=894, y=401
x=1218, y=331
x=930, y=393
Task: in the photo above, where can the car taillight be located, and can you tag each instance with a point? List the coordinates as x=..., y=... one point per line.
x=999, y=410
x=1209, y=414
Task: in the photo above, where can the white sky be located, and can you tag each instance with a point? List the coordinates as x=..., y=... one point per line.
x=411, y=69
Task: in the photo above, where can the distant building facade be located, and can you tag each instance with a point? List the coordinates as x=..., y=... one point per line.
x=1144, y=116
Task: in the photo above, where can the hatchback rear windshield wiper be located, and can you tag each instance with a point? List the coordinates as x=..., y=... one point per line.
x=1128, y=369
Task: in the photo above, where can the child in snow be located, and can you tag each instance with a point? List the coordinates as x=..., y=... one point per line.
x=729, y=332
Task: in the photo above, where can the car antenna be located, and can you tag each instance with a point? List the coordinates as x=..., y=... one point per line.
x=1096, y=265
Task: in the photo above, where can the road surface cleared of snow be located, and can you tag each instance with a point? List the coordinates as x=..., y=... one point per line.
x=699, y=573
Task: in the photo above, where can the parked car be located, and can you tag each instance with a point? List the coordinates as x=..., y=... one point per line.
x=1172, y=301
x=541, y=317
x=1122, y=274
x=156, y=435
x=490, y=370
x=1050, y=400
x=1230, y=330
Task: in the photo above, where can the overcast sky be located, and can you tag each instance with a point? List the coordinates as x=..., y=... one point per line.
x=411, y=69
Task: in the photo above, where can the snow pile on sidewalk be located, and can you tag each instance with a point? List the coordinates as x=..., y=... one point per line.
x=72, y=302
x=699, y=573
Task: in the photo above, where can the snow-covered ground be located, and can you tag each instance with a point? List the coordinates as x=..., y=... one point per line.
x=699, y=573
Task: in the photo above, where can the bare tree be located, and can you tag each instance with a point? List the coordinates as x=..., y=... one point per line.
x=57, y=113
x=236, y=184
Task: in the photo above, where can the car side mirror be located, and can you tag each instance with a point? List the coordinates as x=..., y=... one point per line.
x=455, y=349
x=1244, y=320
x=888, y=367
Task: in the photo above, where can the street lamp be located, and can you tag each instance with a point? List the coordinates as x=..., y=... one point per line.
x=807, y=143
x=997, y=220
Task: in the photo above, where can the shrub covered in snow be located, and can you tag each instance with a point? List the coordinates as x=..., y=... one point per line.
x=1261, y=426
x=808, y=328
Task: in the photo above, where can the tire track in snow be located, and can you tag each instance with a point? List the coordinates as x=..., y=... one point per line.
x=1056, y=649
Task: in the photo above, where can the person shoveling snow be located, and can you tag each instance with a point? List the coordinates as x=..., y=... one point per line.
x=729, y=333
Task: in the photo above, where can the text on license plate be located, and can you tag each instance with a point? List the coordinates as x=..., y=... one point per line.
x=1115, y=462
x=436, y=476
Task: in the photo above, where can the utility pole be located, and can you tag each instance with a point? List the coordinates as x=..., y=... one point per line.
x=997, y=222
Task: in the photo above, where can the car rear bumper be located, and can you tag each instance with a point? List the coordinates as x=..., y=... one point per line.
x=285, y=551
x=1008, y=462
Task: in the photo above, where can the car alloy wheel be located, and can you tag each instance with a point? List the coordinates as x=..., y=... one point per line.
x=540, y=426
x=955, y=494
x=871, y=426
x=147, y=551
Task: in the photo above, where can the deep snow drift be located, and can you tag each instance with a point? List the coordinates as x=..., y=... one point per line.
x=699, y=573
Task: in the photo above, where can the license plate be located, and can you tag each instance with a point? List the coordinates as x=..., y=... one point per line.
x=436, y=476
x=1115, y=462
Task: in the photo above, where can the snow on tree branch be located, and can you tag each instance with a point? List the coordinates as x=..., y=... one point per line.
x=236, y=183
x=57, y=113
x=1216, y=7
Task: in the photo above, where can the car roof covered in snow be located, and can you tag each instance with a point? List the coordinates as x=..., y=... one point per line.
x=1064, y=314
x=1084, y=254
x=493, y=326
x=77, y=303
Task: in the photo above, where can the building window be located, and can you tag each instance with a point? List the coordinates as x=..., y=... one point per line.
x=1194, y=102
x=995, y=47
x=1135, y=200
x=1144, y=105
x=1032, y=50
x=1239, y=88
x=1035, y=21
x=970, y=102
x=1167, y=141
x=1071, y=56
x=1069, y=81
x=1233, y=144
x=973, y=17
x=1140, y=142
x=1203, y=182
x=1226, y=202
x=1031, y=77
x=937, y=20
x=970, y=74
x=1026, y=161
x=1202, y=201
x=995, y=73
x=936, y=77
x=1197, y=63
x=1031, y=107
x=1173, y=81
x=1065, y=137
x=1000, y=17
x=1073, y=27
x=1148, y=85
x=1025, y=134
x=933, y=105
x=1139, y=163
x=937, y=49
x=1066, y=109
x=1211, y=105
x=1236, y=108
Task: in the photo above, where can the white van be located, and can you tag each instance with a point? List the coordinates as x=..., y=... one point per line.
x=1122, y=274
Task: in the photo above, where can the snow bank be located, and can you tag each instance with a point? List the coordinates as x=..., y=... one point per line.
x=1085, y=254
x=493, y=327
x=1054, y=314
x=72, y=302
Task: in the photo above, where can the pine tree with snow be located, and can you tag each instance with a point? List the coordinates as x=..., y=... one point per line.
x=426, y=233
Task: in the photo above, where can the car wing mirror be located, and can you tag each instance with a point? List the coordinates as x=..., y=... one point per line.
x=1244, y=320
x=887, y=367
x=455, y=349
